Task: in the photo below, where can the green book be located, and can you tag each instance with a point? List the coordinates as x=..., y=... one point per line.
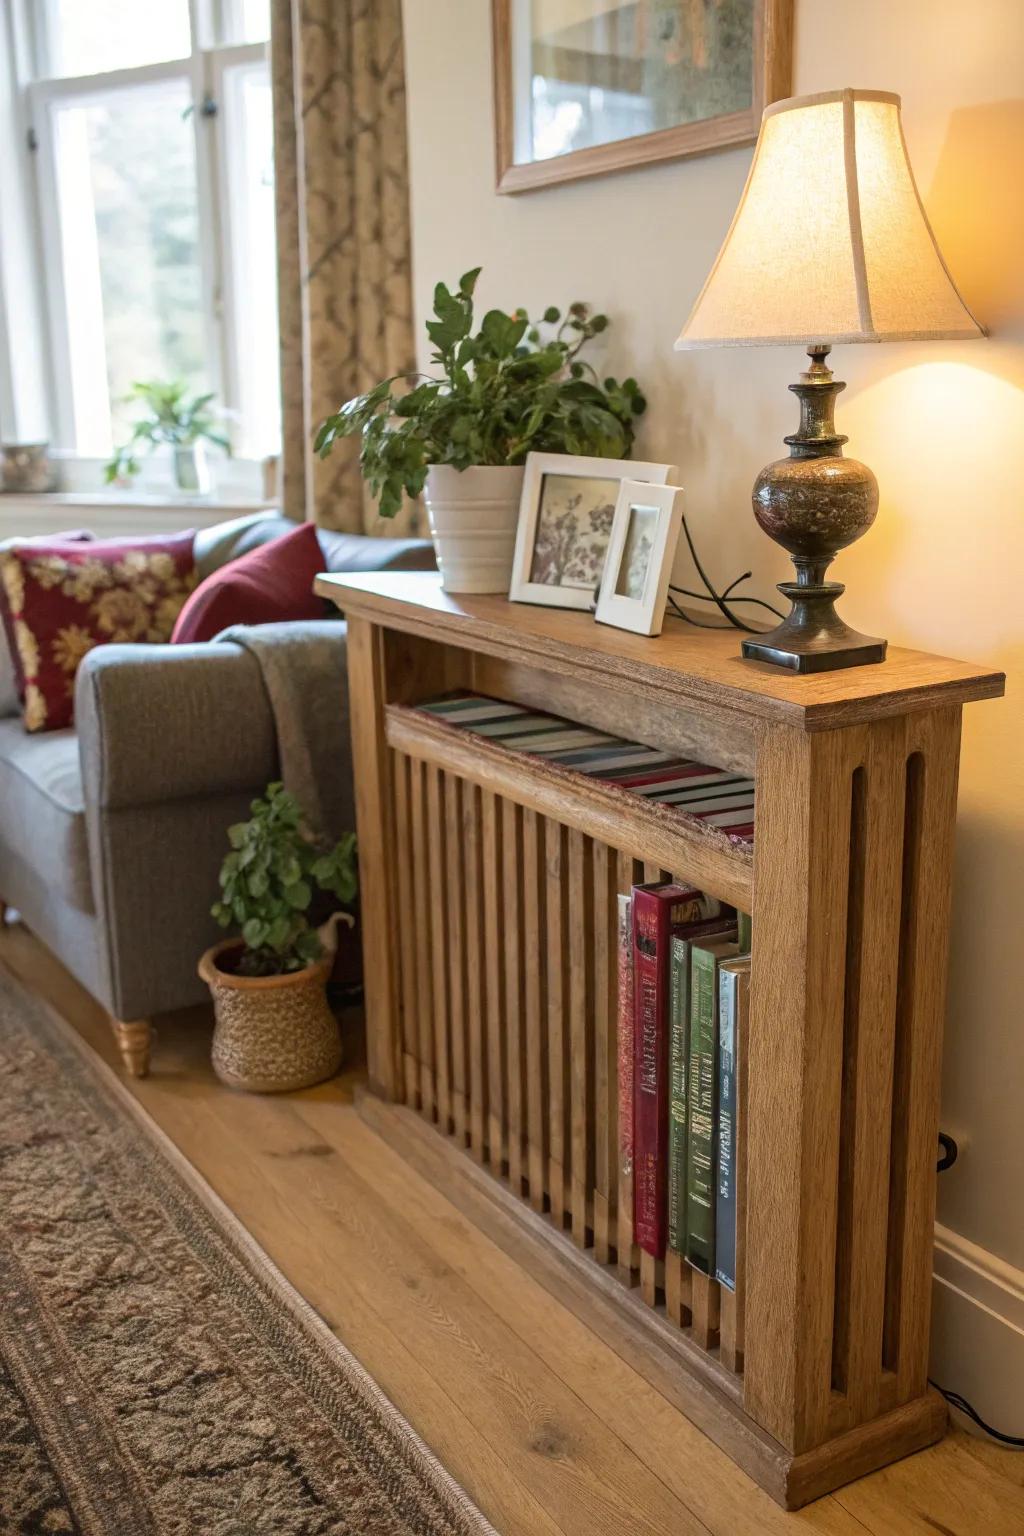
x=702, y=1096
x=743, y=933
x=679, y=1066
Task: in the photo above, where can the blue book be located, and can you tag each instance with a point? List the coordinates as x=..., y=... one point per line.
x=733, y=998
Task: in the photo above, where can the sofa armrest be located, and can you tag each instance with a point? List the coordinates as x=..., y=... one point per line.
x=165, y=722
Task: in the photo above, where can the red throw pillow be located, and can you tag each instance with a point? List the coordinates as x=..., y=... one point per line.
x=64, y=598
x=71, y=536
x=270, y=583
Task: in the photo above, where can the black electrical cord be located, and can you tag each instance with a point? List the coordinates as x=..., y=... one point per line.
x=963, y=1406
x=718, y=598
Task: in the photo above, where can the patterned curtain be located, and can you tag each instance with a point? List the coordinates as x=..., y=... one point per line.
x=342, y=191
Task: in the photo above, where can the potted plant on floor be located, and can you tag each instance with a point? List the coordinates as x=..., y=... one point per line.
x=274, y=1029
x=183, y=421
x=512, y=387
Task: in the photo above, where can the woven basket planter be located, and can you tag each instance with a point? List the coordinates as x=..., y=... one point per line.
x=273, y=1033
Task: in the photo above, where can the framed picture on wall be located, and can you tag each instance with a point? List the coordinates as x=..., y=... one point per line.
x=582, y=87
x=641, y=549
x=565, y=520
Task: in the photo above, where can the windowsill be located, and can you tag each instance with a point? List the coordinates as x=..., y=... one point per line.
x=119, y=514
x=140, y=499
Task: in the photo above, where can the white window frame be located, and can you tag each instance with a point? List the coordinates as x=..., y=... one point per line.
x=219, y=239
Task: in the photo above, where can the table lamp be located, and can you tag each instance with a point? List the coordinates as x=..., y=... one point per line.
x=830, y=244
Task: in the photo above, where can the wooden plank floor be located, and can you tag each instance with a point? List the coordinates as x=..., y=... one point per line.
x=547, y=1428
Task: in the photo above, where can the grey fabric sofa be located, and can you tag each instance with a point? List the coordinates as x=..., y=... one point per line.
x=112, y=832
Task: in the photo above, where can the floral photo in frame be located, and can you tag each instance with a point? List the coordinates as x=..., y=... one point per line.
x=565, y=520
x=641, y=549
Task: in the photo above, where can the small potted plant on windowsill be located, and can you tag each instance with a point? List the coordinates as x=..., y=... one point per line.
x=274, y=1028
x=179, y=420
x=513, y=387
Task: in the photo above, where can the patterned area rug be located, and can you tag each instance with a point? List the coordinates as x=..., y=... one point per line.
x=157, y=1374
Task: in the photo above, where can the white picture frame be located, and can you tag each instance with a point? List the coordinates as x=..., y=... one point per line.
x=556, y=563
x=641, y=550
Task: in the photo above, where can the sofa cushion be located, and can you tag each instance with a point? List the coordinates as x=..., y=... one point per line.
x=268, y=585
x=42, y=813
x=66, y=598
x=215, y=546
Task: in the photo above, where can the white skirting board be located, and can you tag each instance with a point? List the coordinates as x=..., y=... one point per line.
x=978, y=1330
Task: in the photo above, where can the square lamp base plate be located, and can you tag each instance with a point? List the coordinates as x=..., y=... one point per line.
x=854, y=651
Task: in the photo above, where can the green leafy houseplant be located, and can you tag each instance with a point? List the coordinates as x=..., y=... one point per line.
x=267, y=885
x=511, y=387
x=172, y=416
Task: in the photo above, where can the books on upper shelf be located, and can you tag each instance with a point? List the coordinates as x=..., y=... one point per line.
x=716, y=796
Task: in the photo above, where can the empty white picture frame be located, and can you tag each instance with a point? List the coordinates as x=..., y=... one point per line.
x=638, y=564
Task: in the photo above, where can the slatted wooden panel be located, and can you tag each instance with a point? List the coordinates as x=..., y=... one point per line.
x=509, y=1000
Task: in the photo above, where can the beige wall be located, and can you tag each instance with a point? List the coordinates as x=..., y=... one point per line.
x=941, y=424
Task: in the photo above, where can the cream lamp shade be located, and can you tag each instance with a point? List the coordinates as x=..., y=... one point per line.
x=830, y=242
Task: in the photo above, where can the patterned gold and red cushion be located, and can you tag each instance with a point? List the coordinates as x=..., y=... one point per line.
x=64, y=598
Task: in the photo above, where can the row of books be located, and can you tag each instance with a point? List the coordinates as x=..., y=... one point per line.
x=713, y=795
x=684, y=985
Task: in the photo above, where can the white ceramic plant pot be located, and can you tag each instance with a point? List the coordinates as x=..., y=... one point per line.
x=473, y=517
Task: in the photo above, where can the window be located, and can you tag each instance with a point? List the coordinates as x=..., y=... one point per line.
x=154, y=159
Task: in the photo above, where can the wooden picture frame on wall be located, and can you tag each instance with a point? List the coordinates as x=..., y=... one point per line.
x=771, y=50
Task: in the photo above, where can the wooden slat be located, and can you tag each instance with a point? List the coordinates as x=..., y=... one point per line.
x=535, y=944
x=657, y=833
x=371, y=769
x=629, y=873
x=517, y=961
x=704, y=1305
x=559, y=1143
x=494, y=980
x=476, y=1038
x=606, y=1094
x=456, y=926
x=678, y=1289
x=581, y=1032
x=794, y=1083
x=421, y=928
x=872, y=950
x=406, y=940
x=927, y=887
x=440, y=947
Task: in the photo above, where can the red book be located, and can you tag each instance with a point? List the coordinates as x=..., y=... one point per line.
x=657, y=911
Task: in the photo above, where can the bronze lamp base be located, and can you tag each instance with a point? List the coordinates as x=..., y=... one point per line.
x=814, y=504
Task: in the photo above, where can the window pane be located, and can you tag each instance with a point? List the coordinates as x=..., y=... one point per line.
x=239, y=21
x=255, y=21
x=89, y=36
x=129, y=228
x=253, y=257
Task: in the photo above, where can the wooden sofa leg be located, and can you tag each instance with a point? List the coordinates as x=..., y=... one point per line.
x=134, y=1039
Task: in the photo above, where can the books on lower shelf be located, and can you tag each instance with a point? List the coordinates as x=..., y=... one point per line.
x=687, y=1010
x=716, y=796
x=659, y=912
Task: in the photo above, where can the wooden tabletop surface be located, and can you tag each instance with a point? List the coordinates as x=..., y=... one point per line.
x=699, y=667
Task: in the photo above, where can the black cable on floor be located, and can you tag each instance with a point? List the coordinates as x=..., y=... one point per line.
x=963, y=1406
